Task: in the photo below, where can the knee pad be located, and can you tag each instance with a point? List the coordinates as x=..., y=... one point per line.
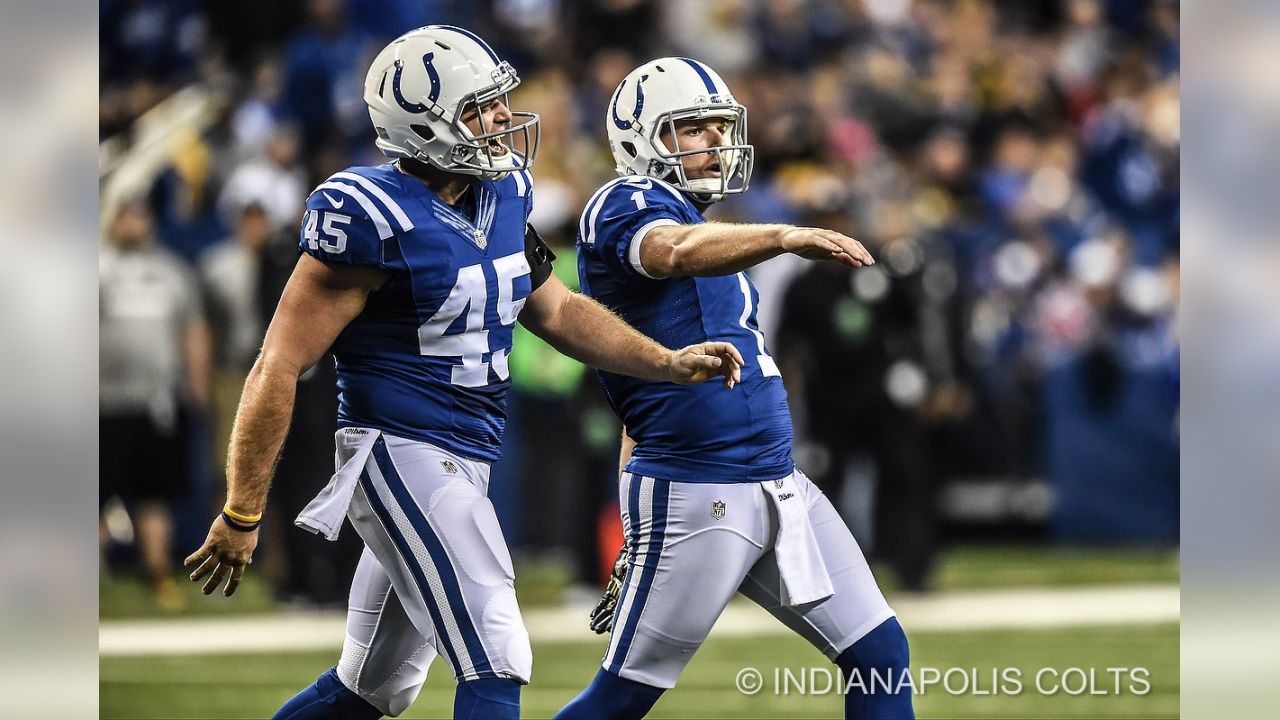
x=468, y=527
x=389, y=683
x=504, y=631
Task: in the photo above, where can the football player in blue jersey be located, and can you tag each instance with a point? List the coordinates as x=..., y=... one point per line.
x=413, y=273
x=712, y=503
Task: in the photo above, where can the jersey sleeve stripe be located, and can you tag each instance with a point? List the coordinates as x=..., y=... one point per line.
x=396, y=211
x=379, y=220
x=589, y=228
x=586, y=211
x=524, y=182
x=633, y=251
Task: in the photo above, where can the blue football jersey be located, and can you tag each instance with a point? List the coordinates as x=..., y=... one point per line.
x=689, y=433
x=427, y=358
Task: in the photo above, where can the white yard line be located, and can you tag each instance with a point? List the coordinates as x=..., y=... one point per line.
x=1010, y=609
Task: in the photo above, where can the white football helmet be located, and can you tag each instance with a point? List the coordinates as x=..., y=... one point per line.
x=661, y=93
x=420, y=85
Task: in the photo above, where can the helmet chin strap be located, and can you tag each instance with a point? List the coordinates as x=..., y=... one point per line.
x=706, y=190
x=706, y=195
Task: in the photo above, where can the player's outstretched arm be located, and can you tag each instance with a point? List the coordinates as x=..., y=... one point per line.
x=318, y=302
x=713, y=248
x=586, y=331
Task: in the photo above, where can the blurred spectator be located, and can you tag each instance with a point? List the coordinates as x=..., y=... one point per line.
x=324, y=67
x=627, y=25
x=155, y=39
x=273, y=181
x=154, y=356
x=231, y=271
x=256, y=117
x=719, y=33
x=147, y=49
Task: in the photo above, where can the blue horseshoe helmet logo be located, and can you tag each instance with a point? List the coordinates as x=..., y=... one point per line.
x=613, y=107
x=432, y=75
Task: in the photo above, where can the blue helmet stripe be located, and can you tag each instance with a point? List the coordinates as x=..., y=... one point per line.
x=492, y=56
x=702, y=73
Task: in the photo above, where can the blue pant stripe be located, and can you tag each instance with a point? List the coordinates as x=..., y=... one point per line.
x=410, y=560
x=633, y=534
x=658, y=529
x=440, y=558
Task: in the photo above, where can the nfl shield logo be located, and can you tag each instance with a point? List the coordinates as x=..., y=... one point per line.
x=717, y=509
x=481, y=240
x=778, y=483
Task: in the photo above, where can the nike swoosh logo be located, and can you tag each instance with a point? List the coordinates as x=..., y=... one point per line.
x=336, y=203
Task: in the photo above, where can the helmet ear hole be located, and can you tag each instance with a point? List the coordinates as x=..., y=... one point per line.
x=629, y=147
x=424, y=132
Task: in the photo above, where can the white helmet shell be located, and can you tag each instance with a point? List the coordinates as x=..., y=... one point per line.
x=418, y=88
x=655, y=96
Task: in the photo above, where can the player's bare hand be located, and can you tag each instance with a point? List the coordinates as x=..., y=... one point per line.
x=703, y=361
x=223, y=556
x=822, y=244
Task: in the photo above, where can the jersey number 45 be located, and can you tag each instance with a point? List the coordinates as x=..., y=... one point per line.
x=470, y=295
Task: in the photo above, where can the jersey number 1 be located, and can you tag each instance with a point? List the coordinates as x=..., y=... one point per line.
x=768, y=367
x=470, y=294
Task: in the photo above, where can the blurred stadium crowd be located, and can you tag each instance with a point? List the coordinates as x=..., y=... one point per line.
x=1012, y=361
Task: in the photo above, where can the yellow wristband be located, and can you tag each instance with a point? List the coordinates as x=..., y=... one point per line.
x=247, y=519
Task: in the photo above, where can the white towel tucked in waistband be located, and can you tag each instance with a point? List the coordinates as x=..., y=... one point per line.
x=324, y=514
x=804, y=576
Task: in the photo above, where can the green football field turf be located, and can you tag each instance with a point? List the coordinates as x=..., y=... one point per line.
x=966, y=567
x=253, y=686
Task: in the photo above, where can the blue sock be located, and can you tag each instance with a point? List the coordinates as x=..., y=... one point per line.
x=881, y=657
x=327, y=699
x=610, y=697
x=487, y=699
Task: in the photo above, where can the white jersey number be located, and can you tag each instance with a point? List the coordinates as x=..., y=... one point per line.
x=768, y=367
x=329, y=224
x=470, y=295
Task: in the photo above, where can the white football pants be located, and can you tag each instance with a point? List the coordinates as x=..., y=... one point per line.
x=435, y=577
x=693, y=545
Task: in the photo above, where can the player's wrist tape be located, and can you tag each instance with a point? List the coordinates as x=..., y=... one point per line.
x=240, y=521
